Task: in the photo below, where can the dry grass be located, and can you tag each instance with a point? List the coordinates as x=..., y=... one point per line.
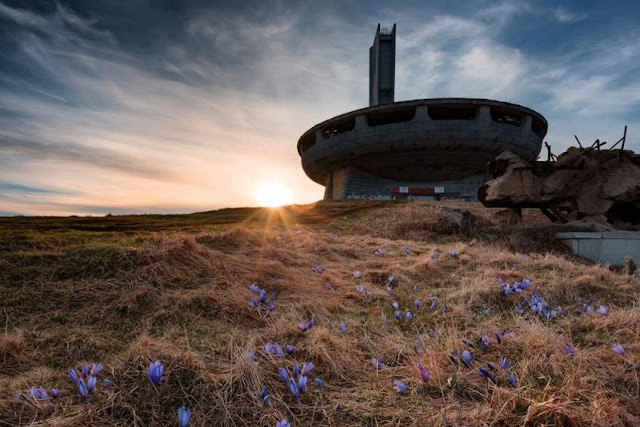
x=180, y=295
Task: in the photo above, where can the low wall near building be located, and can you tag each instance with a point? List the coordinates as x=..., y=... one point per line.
x=604, y=246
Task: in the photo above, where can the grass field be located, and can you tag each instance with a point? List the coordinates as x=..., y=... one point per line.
x=127, y=290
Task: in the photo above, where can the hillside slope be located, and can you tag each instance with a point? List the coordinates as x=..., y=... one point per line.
x=125, y=291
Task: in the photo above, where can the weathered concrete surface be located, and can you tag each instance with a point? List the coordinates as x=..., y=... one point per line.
x=421, y=141
x=352, y=183
x=584, y=186
x=613, y=247
x=382, y=67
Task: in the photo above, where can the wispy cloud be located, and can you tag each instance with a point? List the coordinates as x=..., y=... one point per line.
x=563, y=15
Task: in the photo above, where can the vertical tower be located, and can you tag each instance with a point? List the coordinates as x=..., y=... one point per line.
x=382, y=67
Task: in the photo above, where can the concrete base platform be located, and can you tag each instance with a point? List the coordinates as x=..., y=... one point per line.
x=604, y=246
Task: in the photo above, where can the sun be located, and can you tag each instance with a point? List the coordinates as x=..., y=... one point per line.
x=272, y=194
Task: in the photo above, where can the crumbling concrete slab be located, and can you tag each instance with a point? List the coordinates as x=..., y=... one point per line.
x=599, y=188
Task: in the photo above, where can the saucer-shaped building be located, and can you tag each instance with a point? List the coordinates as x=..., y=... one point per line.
x=426, y=148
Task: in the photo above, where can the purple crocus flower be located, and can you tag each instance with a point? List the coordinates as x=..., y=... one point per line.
x=618, y=349
x=254, y=302
x=107, y=382
x=424, y=374
x=305, y=326
x=38, y=393
x=43, y=393
x=379, y=252
x=96, y=368
x=466, y=357
x=453, y=253
x=263, y=295
x=55, y=392
x=389, y=290
x=415, y=288
x=290, y=348
x=405, y=250
x=283, y=374
x=602, y=310
x=283, y=423
x=377, y=363
x=513, y=382
x=357, y=274
x=343, y=327
x=504, y=363
x=91, y=382
x=399, y=386
x=85, y=370
x=33, y=393
x=329, y=286
x=82, y=388
x=254, y=288
x=155, y=372
x=435, y=255
x=408, y=316
x=306, y=367
x=318, y=269
x=363, y=291
x=395, y=305
x=417, y=304
x=302, y=382
x=398, y=315
x=487, y=375
x=293, y=387
x=266, y=401
x=184, y=415
x=274, y=349
x=73, y=375
x=434, y=304
x=484, y=342
x=319, y=382
x=296, y=370
x=568, y=349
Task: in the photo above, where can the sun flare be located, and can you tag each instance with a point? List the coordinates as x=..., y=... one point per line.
x=272, y=194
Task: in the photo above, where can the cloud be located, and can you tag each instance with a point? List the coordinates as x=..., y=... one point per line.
x=565, y=16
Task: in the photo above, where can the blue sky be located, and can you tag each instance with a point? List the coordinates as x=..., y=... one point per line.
x=145, y=106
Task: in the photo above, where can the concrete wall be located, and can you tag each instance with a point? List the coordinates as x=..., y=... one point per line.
x=358, y=184
x=382, y=66
x=605, y=247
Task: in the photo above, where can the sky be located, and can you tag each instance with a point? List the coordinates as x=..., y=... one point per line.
x=152, y=106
